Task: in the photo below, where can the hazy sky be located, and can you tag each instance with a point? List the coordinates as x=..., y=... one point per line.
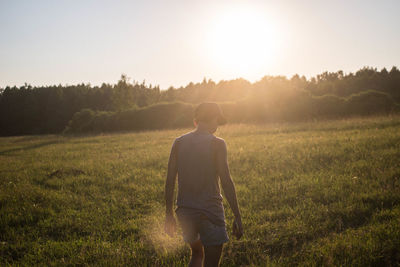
x=175, y=42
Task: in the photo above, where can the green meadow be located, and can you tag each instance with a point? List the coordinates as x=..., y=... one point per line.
x=313, y=193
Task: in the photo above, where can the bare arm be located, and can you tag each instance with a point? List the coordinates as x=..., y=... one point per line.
x=171, y=178
x=226, y=180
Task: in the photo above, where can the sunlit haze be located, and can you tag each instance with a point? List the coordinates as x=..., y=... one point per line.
x=245, y=41
x=172, y=43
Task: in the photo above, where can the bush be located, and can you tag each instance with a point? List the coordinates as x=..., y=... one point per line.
x=157, y=116
x=81, y=121
x=327, y=106
x=294, y=105
x=370, y=102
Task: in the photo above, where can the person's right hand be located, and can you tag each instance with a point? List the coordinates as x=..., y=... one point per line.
x=237, y=228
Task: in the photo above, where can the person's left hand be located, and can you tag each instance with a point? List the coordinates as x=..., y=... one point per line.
x=170, y=225
x=237, y=228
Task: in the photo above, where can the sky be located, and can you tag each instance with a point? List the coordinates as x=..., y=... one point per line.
x=172, y=43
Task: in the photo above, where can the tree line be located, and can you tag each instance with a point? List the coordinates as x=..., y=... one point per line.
x=135, y=106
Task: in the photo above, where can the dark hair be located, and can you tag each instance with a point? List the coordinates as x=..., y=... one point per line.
x=207, y=111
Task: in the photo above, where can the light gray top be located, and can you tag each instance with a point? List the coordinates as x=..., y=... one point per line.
x=198, y=188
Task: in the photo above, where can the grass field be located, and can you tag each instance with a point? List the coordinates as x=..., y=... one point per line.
x=321, y=193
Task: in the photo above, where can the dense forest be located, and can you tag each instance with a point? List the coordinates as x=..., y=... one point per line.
x=135, y=106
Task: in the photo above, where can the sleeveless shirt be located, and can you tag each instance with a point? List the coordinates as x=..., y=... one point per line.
x=198, y=189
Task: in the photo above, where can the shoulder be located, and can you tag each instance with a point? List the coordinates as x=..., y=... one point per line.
x=219, y=140
x=178, y=140
x=219, y=143
x=184, y=136
x=181, y=137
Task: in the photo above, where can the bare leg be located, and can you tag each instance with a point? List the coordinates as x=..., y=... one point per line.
x=212, y=255
x=197, y=254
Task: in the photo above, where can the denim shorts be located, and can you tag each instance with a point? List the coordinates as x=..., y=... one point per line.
x=195, y=227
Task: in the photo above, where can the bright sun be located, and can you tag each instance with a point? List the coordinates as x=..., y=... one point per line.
x=244, y=42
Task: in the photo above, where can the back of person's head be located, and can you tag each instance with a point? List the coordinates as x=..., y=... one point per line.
x=207, y=111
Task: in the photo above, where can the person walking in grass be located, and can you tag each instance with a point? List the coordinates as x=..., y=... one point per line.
x=200, y=160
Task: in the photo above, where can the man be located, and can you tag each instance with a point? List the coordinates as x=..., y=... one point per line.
x=200, y=160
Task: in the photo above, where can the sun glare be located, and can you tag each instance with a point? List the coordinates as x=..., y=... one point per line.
x=244, y=42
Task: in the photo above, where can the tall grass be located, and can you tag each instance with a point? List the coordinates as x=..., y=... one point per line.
x=322, y=193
